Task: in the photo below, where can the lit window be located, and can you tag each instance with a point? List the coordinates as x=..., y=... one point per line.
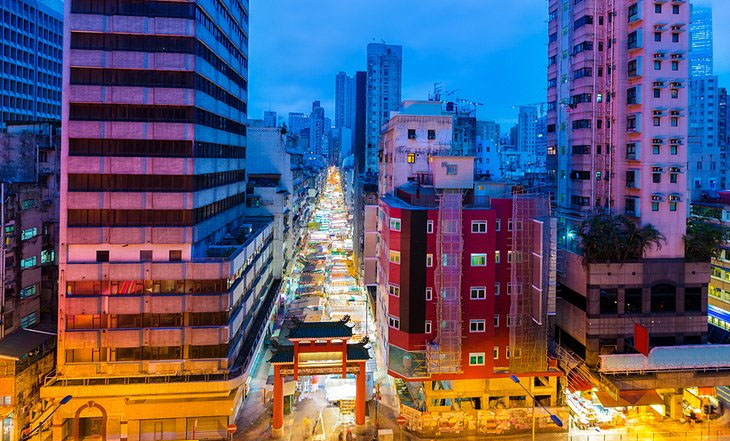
x=476, y=359
x=27, y=263
x=429, y=260
x=411, y=158
x=29, y=320
x=495, y=352
x=477, y=326
x=394, y=290
x=29, y=291
x=479, y=259
x=29, y=233
x=394, y=224
x=478, y=293
x=478, y=226
x=395, y=257
x=48, y=256
x=496, y=256
x=393, y=322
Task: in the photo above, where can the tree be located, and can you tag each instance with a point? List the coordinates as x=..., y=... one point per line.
x=608, y=237
x=703, y=239
x=283, y=129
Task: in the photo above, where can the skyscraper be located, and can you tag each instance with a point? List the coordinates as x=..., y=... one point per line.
x=316, y=128
x=385, y=65
x=298, y=122
x=344, y=101
x=700, y=51
x=269, y=118
x=488, y=130
x=617, y=126
x=31, y=63
x=160, y=273
x=527, y=130
x=704, y=156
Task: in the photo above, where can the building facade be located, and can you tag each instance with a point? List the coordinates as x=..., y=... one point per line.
x=700, y=51
x=344, y=101
x=384, y=77
x=706, y=171
x=617, y=134
x=32, y=39
x=161, y=275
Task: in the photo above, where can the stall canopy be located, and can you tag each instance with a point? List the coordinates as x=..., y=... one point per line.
x=628, y=398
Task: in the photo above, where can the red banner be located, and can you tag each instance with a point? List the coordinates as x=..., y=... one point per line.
x=641, y=339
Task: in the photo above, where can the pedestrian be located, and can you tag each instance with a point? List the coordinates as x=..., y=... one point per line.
x=341, y=436
x=349, y=436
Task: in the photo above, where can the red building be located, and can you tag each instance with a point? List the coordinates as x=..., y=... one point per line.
x=449, y=309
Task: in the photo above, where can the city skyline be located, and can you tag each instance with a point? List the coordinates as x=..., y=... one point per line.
x=428, y=57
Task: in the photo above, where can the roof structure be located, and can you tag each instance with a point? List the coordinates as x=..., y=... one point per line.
x=715, y=357
x=22, y=342
x=299, y=330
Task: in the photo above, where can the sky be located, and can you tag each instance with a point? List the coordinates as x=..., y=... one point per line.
x=489, y=51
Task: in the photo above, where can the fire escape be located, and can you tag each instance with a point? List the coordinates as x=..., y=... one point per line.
x=444, y=353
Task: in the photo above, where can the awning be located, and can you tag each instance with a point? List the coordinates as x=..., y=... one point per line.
x=628, y=398
x=706, y=391
x=577, y=383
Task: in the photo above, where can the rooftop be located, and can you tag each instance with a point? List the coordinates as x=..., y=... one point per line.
x=299, y=330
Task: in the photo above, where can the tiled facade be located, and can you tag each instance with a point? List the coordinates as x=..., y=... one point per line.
x=160, y=273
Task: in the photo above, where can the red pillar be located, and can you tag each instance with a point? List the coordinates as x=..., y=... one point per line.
x=278, y=417
x=296, y=360
x=344, y=359
x=360, y=395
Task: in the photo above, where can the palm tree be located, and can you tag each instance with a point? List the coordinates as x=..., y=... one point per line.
x=607, y=237
x=703, y=239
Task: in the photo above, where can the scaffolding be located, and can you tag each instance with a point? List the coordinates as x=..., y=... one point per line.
x=444, y=353
x=532, y=291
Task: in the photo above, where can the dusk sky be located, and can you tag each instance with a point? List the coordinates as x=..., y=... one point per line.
x=490, y=51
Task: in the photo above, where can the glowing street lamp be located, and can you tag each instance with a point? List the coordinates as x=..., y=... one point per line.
x=553, y=417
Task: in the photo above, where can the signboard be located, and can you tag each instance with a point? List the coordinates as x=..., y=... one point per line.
x=401, y=420
x=231, y=429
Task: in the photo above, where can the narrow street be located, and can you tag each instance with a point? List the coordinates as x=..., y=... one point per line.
x=322, y=287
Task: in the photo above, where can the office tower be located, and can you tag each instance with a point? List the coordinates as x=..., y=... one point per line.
x=617, y=127
x=269, y=118
x=385, y=65
x=298, y=122
x=344, y=101
x=316, y=128
x=704, y=156
x=359, y=151
x=488, y=130
x=700, y=50
x=30, y=156
x=161, y=275
x=723, y=133
x=32, y=40
x=527, y=130
x=450, y=309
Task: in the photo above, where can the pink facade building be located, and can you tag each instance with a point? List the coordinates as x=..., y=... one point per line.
x=165, y=288
x=617, y=128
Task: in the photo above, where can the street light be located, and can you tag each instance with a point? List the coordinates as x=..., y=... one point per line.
x=63, y=401
x=553, y=417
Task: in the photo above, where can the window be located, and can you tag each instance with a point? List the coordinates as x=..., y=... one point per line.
x=431, y=135
x=655, y=206
x=672, y=149
x=477, y=326
x=657, y=121
x=657, y=65
x=675, y=9
x=675, y=37
x=478, y=226
x=29, y=291
x=394, y=257
x=394, y=224
x=509, y=224
x=429, y=227
x=29, y=233
x=692, y=299
x=27, y=263
x=476, y=359
x=672, y=206
x=102, y=256
x=145, y=255
x=478, y=259
x=495, y=352
x=411, y=133
x=657, y=36
x=427, y=327
x=658, y=8
x=498, y=224
x=478, y=293
x=29, y=203
x=393, y=322
x=496, y=256
x=656, y=149
x=496, y=288
x=394, y=290
x=608, y=301
x=675, y=65
x=674, y=121
x=657, y=93
x=675, y=93
x=632, y=298
x=663, y=298
x=673, y=177
x=656, y=178
x=175, y=255
x=29, y=320
x=496, y=320
x=429, y=260
x=429, y=294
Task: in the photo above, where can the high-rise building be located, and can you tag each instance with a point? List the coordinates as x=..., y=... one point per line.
x=617, y=126
x=488, y=130
x=344, y=101
x=527, y=130
x=161, y=275
x=317, y=129
x=31, y=63
x=297, y=122
x=704, y=157
x=700, y=33
x=723, y=133
x=30, y=156
x=269, y=118
x=384, y=76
